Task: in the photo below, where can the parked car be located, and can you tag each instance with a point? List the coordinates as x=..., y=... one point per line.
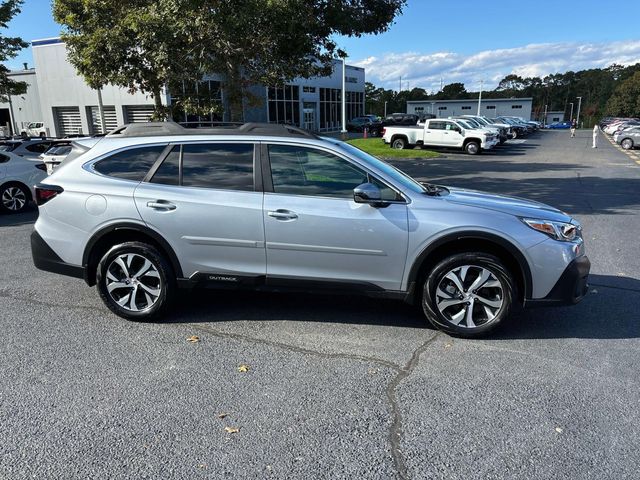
x=358, y=124
x=477, y=125
x=438, y=132
x=156, y=207
x=18, y=177
x=628, y=138
x=504, y=130
x=55, y=154
x=517, y=130
x=396, y=119
x=29, y=148
x=34, y=129
x=559, y=125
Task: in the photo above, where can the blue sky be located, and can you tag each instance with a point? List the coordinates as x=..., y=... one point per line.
x=461, y=40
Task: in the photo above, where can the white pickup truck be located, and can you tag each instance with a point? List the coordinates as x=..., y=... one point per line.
x=440, y=132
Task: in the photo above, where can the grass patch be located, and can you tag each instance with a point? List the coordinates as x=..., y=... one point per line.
x=377, y=148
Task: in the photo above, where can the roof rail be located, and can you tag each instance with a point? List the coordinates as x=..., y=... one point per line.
x=150, y=129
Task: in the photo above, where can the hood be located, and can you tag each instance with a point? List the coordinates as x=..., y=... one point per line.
x=505, y=204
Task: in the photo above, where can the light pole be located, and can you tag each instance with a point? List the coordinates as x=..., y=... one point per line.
x=571, y=116
x=344, y=100
x=545, y=115
x=480, y=96
x=385, y=109
x=579, y=105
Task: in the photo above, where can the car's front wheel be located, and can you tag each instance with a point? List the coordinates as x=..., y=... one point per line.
x=472, y=148
x=135, y=281
x=468, y=294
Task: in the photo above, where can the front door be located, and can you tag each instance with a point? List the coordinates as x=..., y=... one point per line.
x=309, y=111
x=204, y=201
x=315, y=231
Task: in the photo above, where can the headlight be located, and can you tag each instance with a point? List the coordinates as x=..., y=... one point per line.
x=565, y=232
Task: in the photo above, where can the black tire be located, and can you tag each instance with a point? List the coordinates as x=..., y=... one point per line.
x=481, y=323
x=166, y=282
x=373, y=132
x=514, y=134
x=14, y=197
x=472, y=148
x=399, y=143
x=627, y=144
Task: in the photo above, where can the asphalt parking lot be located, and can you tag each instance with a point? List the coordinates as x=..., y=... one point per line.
x=338, y=387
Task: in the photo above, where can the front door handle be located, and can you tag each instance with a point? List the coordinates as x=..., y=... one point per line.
x=161, y=205
x=282, y=214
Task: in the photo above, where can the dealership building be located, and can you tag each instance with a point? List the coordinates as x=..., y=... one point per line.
x=57, y=96
x=489, y=107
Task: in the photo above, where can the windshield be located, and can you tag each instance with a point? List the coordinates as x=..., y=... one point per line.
x=468, y=124
x=401, y=178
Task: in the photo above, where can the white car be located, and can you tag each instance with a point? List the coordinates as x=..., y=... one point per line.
x=56, y=153
x=18, y=176
x=34, y=129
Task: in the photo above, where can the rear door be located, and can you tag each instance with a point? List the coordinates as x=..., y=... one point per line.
x=315, y=231
x=206, y=201
x=433, y=132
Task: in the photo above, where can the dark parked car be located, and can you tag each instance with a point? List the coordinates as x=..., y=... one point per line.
x=358, y=124
x=396, y=119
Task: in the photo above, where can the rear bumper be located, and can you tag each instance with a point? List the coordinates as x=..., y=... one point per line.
x=46, y=259
x=570, y=288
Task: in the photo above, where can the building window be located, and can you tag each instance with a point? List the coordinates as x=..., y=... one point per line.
x=442, y=108
x=490, y=107
x=418, y=109
x=555, y=119
x=331, y=107
x=351, y=79
x=208, y=106
x=516, y=106
x=309, y=89
x=284, y=104
x=466, y=108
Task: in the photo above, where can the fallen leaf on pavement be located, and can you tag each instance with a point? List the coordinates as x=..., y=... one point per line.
x=193, y=339
x=231, y=430
x=243, y=368
x=222, y=415
x=558, y=429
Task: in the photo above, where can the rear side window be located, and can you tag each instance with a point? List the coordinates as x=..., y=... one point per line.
x=131, y=164
x=38, y=147
x=225, y=166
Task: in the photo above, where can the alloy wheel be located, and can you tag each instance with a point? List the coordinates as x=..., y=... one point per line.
x=133, y=282
x=627, y=144
x=469, y=296
x=14, y=198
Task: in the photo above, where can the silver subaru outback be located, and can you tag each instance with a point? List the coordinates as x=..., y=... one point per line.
x=155, y=207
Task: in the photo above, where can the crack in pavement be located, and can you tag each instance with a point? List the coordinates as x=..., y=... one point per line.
x=395, y=432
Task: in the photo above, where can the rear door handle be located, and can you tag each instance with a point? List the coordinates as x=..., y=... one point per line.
x=282, y=214
x=161, y=205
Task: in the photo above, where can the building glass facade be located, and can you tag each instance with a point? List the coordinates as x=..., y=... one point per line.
x=284, y=104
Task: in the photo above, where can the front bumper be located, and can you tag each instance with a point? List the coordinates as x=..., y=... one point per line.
x=570, y=288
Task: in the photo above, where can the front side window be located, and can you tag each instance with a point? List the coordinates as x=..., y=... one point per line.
x=306, y=171
x=131, y=164
x=225, y=166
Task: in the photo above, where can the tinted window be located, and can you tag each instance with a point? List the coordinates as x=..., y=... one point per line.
x=305, y=171
x=436, y=125
x=132, y=164
x=169, y=172
x=224, y=165
x=38, y=147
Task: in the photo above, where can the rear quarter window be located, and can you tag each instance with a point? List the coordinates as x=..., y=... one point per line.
x=130, y=164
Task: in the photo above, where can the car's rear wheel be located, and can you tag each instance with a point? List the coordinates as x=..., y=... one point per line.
x=399, y=143
x=468, y=294
x=514, y=134
x=135, y=281
x=627, y=144
x=14, y=198
x=472, y=148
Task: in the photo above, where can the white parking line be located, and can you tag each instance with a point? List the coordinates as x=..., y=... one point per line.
x=517, y=141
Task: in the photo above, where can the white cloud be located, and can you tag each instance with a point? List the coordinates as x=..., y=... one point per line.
x=427, y=69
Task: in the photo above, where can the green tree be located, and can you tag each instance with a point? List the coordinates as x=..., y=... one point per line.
x=9, y=48
x=625, y=101
x=147, y=44
x=452, y=91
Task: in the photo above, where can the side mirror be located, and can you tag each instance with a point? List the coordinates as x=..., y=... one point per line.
x=367, y=193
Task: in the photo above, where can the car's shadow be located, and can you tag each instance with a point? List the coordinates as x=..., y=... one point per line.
x=609, y=311
x=30, y=215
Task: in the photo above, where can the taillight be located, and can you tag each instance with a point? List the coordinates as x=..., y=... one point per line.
x=384, y=131
x=41, y=166
x=44, y=193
